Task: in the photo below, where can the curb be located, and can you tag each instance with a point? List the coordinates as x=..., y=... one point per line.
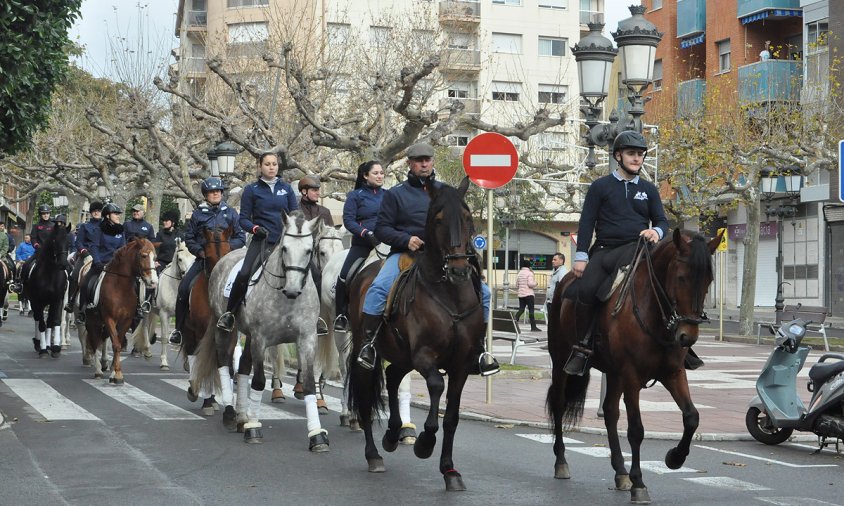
x=2, y=421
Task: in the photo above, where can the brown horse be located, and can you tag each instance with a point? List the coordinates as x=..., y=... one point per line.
x=437, y=326
x=642, y=333
x=113, y=317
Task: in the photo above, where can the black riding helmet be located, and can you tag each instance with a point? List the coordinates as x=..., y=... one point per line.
x=111, y=208
x=95, y=206
x=43, y=208
x=629, y=139
x=211, y=184
x=60, y=219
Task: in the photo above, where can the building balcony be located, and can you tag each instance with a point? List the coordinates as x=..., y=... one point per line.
x=751, y=10
x=690, y=96
x=770, y=81
x=691, y=18
x=461, y=60
x=246, y=49
x=587, y=17
x=472, y=106
x=196, y=20
x=460, y=12
x=192, y=67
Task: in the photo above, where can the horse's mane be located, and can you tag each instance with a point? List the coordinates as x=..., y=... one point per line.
x=699, y=258
x=57, y=237
x=127, y=250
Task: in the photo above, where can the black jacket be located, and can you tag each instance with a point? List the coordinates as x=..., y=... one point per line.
x=167, y=249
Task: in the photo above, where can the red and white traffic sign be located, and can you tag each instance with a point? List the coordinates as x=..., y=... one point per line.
x=490, y=160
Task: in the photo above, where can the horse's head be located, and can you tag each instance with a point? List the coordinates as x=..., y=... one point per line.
x=688, y=274
x=182, y=258
x=297, y=252
x=329, y=241
x=216, y=245
x=144, y=262
x=449, y=230
x=56, y=249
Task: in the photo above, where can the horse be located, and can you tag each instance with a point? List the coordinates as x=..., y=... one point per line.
x=329, y=242
x=164, y=304
x=642, y=333
x=44, y=287
x=442, y=332
x=6, y=279
x=281, y=307
x=118, y=300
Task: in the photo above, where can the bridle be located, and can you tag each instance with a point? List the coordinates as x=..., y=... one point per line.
x=288, y=268
x=319, y=240
x=179, y=272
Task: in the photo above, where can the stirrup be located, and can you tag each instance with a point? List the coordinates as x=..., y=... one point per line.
x=341, y=323
x=321, y=327
x=175, y=337
x=577, y=362
x=366, y=357
x=226, y=321
x=488, y=369
x=146, y=306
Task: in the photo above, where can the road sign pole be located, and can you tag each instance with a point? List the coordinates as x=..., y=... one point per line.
x=489, y=265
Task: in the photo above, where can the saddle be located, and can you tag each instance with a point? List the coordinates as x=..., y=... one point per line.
x=607, y=288
x=406, y=264
x=255, y=272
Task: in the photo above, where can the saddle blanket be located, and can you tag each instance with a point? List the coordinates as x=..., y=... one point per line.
x=227, y=290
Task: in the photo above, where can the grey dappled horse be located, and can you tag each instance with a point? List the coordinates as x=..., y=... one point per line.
x=281, y=307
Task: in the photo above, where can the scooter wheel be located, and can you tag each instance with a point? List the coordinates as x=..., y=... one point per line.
x=760, y=427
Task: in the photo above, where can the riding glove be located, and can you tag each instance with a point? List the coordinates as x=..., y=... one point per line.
x=260, y=232
x=370, y=236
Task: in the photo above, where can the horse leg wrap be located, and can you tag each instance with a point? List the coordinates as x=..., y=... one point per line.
x=57, y=336
x=404, y=407
x=312, y=412
x=242, y=405
x=226, y=383
x=45, y=339
x=238, y=351
x=253, y=411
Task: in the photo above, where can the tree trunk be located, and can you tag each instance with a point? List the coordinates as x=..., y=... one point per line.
x=748, y=275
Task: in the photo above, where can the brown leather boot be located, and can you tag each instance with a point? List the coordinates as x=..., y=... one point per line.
x=371, y=326
x=579, y=358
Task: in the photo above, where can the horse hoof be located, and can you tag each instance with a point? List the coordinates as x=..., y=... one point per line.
x=354, y=425
x=36, y=343
x=344, y=420
x=561, y=472
x=298, y=391
x=322, y=407
x=153, y=338
x=241, y=427
x=86, y=362
x=278, y=395
x=116, y=381
x=388, y=443
x=214, y=403
x=454, y=482
x=230, y=418
x=135, y=353
x=407, y=436
x=147, y=355
x=98, y=375
x=674, y=459
x=207, y=411
x=191, y=395
x=376, y=465
x=43, y=353
x=318, y=443
x=424, y=446
x=622, y=482
x=164, y=367
x=640, y=496
x=253, y=435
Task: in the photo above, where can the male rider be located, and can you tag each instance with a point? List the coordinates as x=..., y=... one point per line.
x=138, y=226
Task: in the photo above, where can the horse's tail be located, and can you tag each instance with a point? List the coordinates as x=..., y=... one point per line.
x=206, y=362
x=364, y=387
x=566, y=398
x=325, y=359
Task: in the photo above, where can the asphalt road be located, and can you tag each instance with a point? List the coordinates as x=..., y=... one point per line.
x=134, y=449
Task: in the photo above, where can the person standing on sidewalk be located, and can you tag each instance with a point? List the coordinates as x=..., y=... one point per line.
x=525, y=283
x=558, y=262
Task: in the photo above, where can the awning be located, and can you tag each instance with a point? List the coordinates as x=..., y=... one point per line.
x=691, y=42
x=773, y=13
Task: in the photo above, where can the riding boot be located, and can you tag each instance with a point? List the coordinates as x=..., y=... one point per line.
x=692, y=361
x=341, y=323
x=181, y=310
x=316, y=275
x=579, y=358
x=241, y=282
x=371, y=326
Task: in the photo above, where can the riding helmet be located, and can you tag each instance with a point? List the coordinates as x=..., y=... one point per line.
x=95, y=206
x=211, y=184
x=629, y=139
x=43, y=208
x=308, y=182
x=171, y=215
x=60, y=219
x=111, y=208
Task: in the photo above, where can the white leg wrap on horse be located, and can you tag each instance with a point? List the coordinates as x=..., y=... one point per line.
x=238, y=351
x=313, y=415
x=45, y=338
x=57, y=335
x=226, y=383
x=242, y=393
x=254, y=409
x=276, y=383
x=192, y=369
x=404, y=407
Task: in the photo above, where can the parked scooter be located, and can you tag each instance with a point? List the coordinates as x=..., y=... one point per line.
x=777, y=411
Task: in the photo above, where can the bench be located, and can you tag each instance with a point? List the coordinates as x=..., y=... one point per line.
x=815, y=314
x=505, y=326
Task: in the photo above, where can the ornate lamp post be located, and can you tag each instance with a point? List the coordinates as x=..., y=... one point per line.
x=226, y=152
x=793, y=183
x=212, y=162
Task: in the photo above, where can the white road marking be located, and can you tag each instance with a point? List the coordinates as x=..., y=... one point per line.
x=728, y=483
x=489, y=160
x=268, y=411
x=142, y=402
x=651, y=406
x=763, y=459
x=659, y=467
x=594, y=451
x=47, y=401
x=549, y=439
x=795, y=501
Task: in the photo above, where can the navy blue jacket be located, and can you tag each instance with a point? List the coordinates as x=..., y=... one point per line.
x=111, y=239
x=361, y=211
x=617, y=211
x=138, y=228
x=403, y=213
x=212, y=217
x=40, y=232
x=88, y=235
x=261, y=206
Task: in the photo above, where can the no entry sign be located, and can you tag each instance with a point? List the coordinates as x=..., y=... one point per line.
x=490, y=160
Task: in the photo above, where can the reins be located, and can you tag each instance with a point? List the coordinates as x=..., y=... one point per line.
x=287, y=268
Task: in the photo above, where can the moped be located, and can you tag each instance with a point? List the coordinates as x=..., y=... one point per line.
x=777, y=411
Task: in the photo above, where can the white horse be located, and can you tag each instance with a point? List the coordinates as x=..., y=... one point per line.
x=281, y=307
x=164, y=305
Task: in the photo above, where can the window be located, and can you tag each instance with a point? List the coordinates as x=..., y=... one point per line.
x=337, y=34
x=817, y=36
x=507, y=2
x=657, y=75
x=552, y=46
x=244, y=33
x=379, y=36
x=506, y=91
x=198, y=5
x=458, y=140
x=197, y=50
x=457, y=40
x=232, y=4
x=656, y=4
x=723, y=55
x=509, y=43
x=554, y=4
x=552, y=94
x=458, y=90
x=423, y=39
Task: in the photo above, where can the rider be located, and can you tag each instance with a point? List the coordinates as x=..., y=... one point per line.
x=166, y=236
x=359, y=215
x=401, y=224
x=212, y=214
x=262, y=206
x=310, y=207
x=41, y=230
x=87, y=236
x=108, y=242
x=619, y=209
x=138, y=226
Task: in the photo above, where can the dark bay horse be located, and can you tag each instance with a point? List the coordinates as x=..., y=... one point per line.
x=112, y=318
x=44, y=286
x=642, y=333
x=442, y=331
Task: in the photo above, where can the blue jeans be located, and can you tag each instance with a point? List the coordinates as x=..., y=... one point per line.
x=376, y=297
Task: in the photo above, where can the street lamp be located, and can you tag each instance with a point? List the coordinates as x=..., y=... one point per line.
x=59, y=201
x=793, y=179
x=212, y=161
x=226, y=152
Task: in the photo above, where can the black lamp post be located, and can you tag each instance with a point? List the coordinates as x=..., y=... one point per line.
x=793, y=183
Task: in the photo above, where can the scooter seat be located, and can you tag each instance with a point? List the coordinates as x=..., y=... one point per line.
x=822, y=371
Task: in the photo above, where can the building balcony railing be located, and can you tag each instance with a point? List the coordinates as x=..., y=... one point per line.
x=690, y=96
x=246, y=49
x=587, y=17
x=461, y=59
x=471, y=105
x=192, y=66
x=197, y=19
x=748, y=7
x=769, y=81
x=691, y=18
x=457, y=11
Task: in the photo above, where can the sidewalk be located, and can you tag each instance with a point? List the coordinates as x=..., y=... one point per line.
x=721, y=390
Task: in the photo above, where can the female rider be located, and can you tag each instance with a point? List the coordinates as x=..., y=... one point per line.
x=359, y=215
x=261, y=208
x=102, y=251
